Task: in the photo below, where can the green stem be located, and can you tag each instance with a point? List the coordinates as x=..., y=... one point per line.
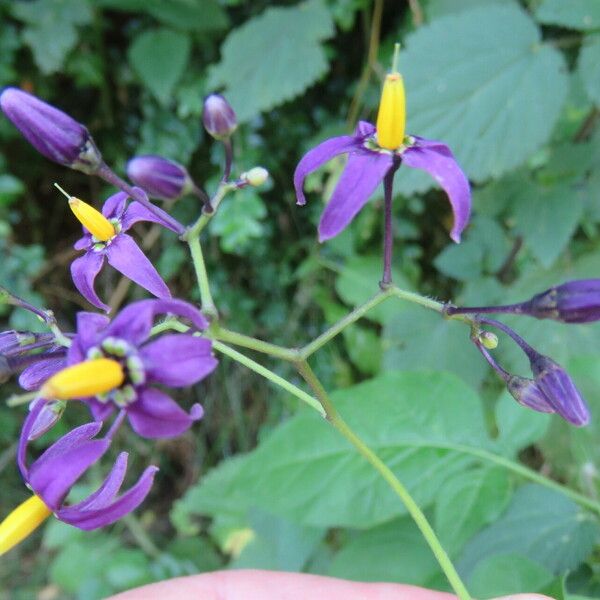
x=350, y=318
x=246, y=341
x=208, y=305
x=195, y=230
x=267, y=374
x=415, y=512
x=140, y=536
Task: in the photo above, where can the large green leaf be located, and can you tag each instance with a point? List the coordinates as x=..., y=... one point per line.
x=576, y=14
x=467, y=502
x=508, y=574
x=492, y=101
x=394, y=551
x=261, y=66
x=51, y=30
x=540, y=524
x=159, y=57
x=589, y=66
x=307, y=472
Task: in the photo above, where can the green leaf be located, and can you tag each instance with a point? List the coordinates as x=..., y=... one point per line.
x=395, y=551
x=308, y=473
x=507, y=574
x=415, y=338
x=364, y=348
x=160, y=57
x=493, y=102
x=589, y=66
x=467, y=502
x=51, y=30
x=273, y=57
x=576, y=14
x=10, y=188
x=358, y=280
x=440, y=8
x=540, y=524
x=278, y=544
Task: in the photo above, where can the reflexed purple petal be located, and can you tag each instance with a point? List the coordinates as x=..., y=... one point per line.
x=83, y=243
x=114, y=206
x=26, y=430
x=317, y=157
x=125, y=256
x=137, y=212
x=364, y=129
x=128, y=502
x=34, y=376
x=100, y=410
x=178, y=360
x=156, y=415
x=84, y=271
x=364, y=171
x=109, y=488
x=436, y=159
x=560, y=391
x=134, y=322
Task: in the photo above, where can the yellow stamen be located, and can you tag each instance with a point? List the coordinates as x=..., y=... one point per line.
x=93, y=220
x=21, y=522
x=84, y=379
x=391, y=118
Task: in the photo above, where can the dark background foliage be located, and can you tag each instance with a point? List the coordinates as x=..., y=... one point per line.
x=514, y=87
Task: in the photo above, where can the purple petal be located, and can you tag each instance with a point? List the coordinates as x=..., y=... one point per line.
x=114, y=205
x=364, y=129
x=35, y=375
x=48, y=417
x=178, y=360
x=156, y=415
x=89, y=326
x=128, y=502
x=363, y=173
x=318, y=156
x=28, y=425
x=109, y=489
x=137, y=212
x=100, y=410
x=125, y=256
x=436, y=159
x=84, y=271
x=83, y=243
x=134, y=322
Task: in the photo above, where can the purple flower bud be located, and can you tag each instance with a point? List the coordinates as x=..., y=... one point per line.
x=218, y=117
x=51, y=132
x=572, y=302
x=159, y=177
x=527, y=393
x=559, y=390
x=46, y=418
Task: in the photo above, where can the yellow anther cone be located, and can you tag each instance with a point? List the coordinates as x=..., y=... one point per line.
x=93, y=220
x=391, y=118
x=85, y=379
x=21, y=522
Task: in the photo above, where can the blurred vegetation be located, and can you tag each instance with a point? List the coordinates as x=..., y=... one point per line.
x=514, y=88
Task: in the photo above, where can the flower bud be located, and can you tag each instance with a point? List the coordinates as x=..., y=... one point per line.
x=159, y=177
x=218, y=117
x=255, y=177
x=526, y=392
x=559, y=390
x=572, y=302
x=48, y=416
x=50, y=131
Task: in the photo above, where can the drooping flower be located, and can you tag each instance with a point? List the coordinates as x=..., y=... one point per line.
x=51, y=132
x=170, y=360
x=550, y=391
x=373, y=152
x=52, y=475
x=576, y=301
x=159, y=177
x=105, y=238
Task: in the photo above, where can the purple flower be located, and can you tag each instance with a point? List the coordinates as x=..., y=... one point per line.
x=159, y=177
x=218, y=117
x=119, y=249
x=171, y=360
x=52, y=475
x=51, y=132
x=368, y=164
x=527, y=393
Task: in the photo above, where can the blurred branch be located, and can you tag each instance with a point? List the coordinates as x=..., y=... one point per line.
x=588, y=125
x=417, y=12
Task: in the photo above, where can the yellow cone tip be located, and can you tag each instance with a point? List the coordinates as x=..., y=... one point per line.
x=21, y=522
x=84, y=379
